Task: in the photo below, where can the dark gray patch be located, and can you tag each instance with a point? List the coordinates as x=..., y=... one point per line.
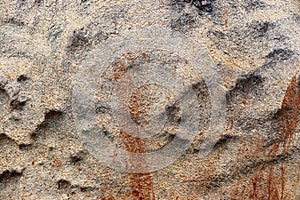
x=259, y=28
x=66, y=187
x=297, y=17
x=252, y=5
x=52, y=115
x=25, y=147
x=86, y=189
x=281, y=112
x=220, y=180
x=249, y=81
x=275, y=57
x=178, y=5
x=83, y=39
x=14, y=21
x=280, y=55
x=298, y=82
x=248, y=124
x=183, y=23
x=218, y=34
x=4, y=138
x=245, y=39
x=201, y=89
x=79, y=40
x=98, y=131
x=203, y=6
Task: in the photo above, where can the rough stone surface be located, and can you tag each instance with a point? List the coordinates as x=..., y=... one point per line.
x=46, y=45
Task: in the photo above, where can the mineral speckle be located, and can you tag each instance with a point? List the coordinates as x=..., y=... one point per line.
x=255, y=47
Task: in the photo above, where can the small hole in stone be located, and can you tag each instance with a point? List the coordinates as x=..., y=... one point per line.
x=22, y=78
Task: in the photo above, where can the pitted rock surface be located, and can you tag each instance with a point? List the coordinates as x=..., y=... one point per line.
x=254, y=47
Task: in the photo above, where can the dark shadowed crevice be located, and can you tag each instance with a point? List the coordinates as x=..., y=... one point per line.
x=22, y=78
x=8, y=178
x=225, y=140
x=63, y=184
x=16, y=104
x=50, y=117
x=78, y=156
x=5, y=140
x=244, y=85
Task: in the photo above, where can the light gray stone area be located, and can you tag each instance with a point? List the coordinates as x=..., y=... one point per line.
x=67, y=75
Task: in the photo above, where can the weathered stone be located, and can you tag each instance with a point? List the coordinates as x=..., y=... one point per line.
x=218, y=80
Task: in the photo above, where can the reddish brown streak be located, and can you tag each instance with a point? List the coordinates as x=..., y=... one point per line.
x=265, y=184
x=288, y=120
x=140, y=183
x=287, y=125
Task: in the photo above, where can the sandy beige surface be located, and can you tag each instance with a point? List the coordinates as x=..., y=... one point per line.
x=156, y=81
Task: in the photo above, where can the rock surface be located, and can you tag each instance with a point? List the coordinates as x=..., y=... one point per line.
x=220, y=77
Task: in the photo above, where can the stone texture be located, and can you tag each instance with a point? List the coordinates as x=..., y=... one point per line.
x=254, y=46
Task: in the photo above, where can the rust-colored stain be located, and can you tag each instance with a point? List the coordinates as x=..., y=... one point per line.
x=121, y=66
x=268, y=180
x=288, y=119
x=286, y=126
x=119, y=69
x=140, y=183
x=131, y=59
x=138, y=111
x=135, y=113
x=56, y=161
x=144, y=56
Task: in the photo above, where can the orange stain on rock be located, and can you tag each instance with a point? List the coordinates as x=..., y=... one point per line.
x=140, y=183
x=56, y=161
x=286, y=126
x=268, y=181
